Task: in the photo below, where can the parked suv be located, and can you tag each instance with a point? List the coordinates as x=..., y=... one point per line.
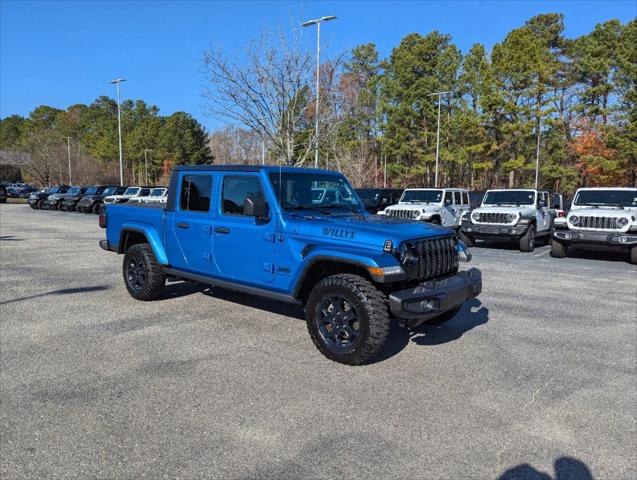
x=71, y=199
x=157, y=195
x=258, y=230
x=519, y=215
x=442, y=206
x=54, y=201
x=376, y=199
x=130, y=192
x=94, y=203
x=38, y=200
x=599, y=219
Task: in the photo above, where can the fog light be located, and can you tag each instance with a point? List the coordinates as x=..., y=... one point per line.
x=567, y=236
x=427, y=305
x=623, y=239
x=468, y=229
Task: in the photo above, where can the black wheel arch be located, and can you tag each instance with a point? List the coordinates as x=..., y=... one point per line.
x=324, y=266
x=130, y=237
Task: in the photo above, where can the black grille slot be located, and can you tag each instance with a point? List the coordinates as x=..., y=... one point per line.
x=603, y=223
x=493, y=218
x=437, y=257
x=398, y=213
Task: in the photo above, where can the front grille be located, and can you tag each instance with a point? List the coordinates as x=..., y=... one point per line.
x=399, y=213
x=492, y=218
x=437, y=257
x=603, y=223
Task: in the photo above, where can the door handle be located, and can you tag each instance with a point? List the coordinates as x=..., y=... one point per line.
x=183, y=225
x=223, y=230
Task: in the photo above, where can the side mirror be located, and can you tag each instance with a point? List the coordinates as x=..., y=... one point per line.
x=255, y=207
x=448, y=201
x=541, y=203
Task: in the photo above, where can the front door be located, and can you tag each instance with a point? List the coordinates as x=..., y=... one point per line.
x=243, y=246
x=190, y=234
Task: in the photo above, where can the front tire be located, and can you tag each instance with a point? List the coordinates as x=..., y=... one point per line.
x=558, y=250
x=143, y=276
x=98, y=208
x=41, y=204
x=347, y=319
x=527, y=242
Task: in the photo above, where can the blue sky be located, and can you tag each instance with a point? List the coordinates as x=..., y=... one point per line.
x=64, y=52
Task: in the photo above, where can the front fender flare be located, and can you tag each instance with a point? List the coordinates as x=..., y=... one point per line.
x=152, y=237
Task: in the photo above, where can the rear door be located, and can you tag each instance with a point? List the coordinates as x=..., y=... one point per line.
x=243, y=246
x=190, y=226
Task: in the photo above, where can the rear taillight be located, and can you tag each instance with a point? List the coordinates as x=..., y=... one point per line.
x=102, y=220
x=560, y=213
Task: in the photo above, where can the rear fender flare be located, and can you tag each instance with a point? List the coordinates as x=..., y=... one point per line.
x=152, y=238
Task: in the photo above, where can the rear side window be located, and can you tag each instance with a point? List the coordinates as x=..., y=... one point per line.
x=448, y=198
x=236, y=190
x=195, y=193
x=144, y=192
x=457, y=197
x=465, y=198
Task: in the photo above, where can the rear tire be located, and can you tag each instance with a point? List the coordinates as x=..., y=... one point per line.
x=468, y=241
x=347, y=319
x=143, y=276
x=527, y=242
x=633, y=255
x=558, y=250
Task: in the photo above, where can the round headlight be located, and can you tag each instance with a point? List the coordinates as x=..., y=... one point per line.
x=475, y=216
x=415, y=214
x=509, y=217
x=622, y=221
x=574, y=219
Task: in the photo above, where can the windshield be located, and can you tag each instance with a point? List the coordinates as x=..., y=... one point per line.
x=422, y=196
x=616, y=198
x=91, y=190
x=54, y=190
x=132, y=191
x=74, y=190
x=157, y=192
x=109, y=191
x=509, y=197
x=298, y=191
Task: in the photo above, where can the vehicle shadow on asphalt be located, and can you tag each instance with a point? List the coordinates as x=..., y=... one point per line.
x=471, y=315
x=566, y=468
x=261, y=303
x=10, y=238
x=597, y=255
x=63, y=291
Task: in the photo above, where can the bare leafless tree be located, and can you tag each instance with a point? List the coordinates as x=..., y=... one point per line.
x=268, y=89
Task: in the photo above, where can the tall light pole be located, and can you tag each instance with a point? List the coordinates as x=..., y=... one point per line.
x=117, y=81
x=317, y=22
x=68, y=147
x=440, y=94
x=537, y=154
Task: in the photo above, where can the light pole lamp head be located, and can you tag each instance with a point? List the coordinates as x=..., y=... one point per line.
x=318, y=20
x=118, y=80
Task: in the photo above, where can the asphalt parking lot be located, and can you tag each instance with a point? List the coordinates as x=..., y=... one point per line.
x=536, y=380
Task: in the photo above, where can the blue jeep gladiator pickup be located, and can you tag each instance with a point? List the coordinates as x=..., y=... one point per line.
x=274, y=232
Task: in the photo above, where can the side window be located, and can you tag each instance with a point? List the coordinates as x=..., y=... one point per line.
x=195, y=193
x=465, y=198
x=448, y=198
x=236, y=190
x=144, y=192
x=457, y=196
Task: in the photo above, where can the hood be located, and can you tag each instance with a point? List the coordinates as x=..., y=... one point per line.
x=370, y=230
x=424, y=207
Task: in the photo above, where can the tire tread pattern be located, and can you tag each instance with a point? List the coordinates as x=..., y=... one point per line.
x=156, y=278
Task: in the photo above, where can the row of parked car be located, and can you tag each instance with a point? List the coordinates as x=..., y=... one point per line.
x=92, y=199
x=597, y=218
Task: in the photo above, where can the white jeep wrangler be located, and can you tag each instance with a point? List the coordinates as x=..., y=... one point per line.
x=442, y=206
x=520, y=215
x=599, y=219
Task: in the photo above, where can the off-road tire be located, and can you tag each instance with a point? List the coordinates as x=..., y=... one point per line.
x=527, y=242
x=98, y=208
x=468, y=241
x=633, y=255
x=445, y=317
x=558, y=250
x=154, y=281
x=41, y=204
x=371, y=307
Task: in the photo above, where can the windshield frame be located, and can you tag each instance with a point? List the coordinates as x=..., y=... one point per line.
x=631, y=204
x=438, y=191
x=355, y=206
x=509, y=203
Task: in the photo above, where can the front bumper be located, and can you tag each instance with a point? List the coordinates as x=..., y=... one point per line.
x=611, y=239
x=435, y=297
x=487, y=232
